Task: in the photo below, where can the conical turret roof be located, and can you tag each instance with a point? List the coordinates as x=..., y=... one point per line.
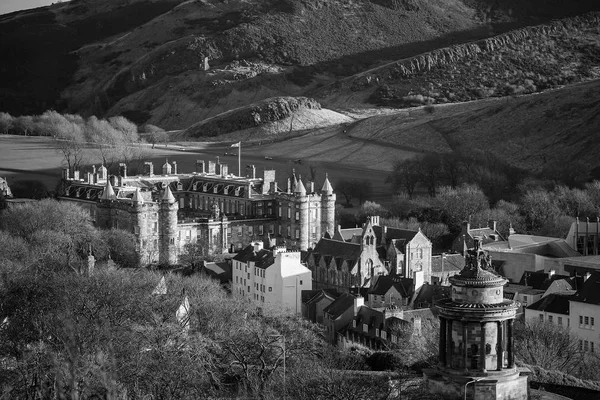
x=327, y=189
x=137, y=196
x=168, y=195
x=108, y=193
x=300, y=189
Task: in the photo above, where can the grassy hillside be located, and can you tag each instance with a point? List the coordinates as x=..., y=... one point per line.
x=555, y=128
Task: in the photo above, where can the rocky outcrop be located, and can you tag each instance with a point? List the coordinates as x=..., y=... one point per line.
x=425, y=62
x=269, y=110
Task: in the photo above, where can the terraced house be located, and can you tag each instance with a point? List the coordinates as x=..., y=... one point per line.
x=211, y=206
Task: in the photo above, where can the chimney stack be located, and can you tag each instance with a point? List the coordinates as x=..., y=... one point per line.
x=76, y=175
x=359, y=301
x=65, y=174
x=492, y=224
x=211, y=167
x=123, y=170
x=224, y=170
x=200, y=166
x=311, y=187
x=89, y=178
x=174, y=167
x=148, y=168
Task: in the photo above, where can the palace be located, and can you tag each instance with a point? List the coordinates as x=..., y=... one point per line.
x=211, y=206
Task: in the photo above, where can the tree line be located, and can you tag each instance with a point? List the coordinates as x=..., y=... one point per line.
x=114, y=140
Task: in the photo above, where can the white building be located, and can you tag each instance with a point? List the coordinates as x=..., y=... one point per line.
x=580, y=312
x=274, y=277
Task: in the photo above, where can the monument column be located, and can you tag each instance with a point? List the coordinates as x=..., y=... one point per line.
x=465, y=346
x=449, y=343
x=510, y=345
x=442, y=347
x=499, y=347
x=482, y=349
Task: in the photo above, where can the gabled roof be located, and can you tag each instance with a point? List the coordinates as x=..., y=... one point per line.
x=451, y=263
x=385, y=283
x=590, y=290
x=262, y=259
x=335, y=248
x=557, y=303
x=393, y=233
x=340, y=305
x=349, y=233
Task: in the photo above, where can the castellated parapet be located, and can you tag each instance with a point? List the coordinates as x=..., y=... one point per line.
x=170, y=210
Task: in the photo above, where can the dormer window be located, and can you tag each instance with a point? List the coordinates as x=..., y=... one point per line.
x=179, y=186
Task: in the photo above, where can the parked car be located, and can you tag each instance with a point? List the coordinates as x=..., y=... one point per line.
x=181, y=149
x=298, y=161
x=268, y=158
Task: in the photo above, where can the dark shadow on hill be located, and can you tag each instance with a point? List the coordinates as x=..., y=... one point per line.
x=37, y=51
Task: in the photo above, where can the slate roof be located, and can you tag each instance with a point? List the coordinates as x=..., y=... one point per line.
x=430, y=294
x=309, y=296
x=330, y=248
x=557, y=303
x=83, y=191
x=218, y=270
x=589, y=291
x=452, y=262
x=349, y=233
x=394, y=233
x=262, y=259
x=385, y=283
x=542, y=280
x=340, y=305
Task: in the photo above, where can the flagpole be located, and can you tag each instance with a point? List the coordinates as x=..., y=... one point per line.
x=239, y=159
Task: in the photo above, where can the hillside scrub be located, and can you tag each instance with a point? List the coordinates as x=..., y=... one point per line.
x=115, y=139
x=522, y=61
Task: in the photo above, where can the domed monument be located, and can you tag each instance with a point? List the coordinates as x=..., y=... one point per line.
x=476, y=353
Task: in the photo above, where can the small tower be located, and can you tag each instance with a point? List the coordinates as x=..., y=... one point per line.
x=327, y=208
x=301, y=200
x=168, y=227
x=476, y=349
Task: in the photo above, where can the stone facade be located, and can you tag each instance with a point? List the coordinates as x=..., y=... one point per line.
x=222, y=211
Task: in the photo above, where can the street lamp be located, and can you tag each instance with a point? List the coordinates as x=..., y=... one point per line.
x=472, y=381
x=283, y=349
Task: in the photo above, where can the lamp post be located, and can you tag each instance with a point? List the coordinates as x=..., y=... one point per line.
x=472, y=381
x=283, y=349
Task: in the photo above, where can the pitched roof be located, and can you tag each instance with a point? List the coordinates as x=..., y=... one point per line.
x=557, y=303
x=590, y=290
x=393, y=233
x=340, y=305
x=335, y=248
x=349, y=233
x=385, y=283
x=262, y=259
x=451, y=263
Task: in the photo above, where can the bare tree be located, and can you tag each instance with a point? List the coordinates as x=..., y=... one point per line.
x=405, y=175
x=70, y=141
x=106, y=139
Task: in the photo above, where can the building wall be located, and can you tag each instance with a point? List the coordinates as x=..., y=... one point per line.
x=586, y=332
x=418, y=256
x=392, y=297
x=532, y=316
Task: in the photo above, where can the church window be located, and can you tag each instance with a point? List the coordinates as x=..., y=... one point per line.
x=420, y=253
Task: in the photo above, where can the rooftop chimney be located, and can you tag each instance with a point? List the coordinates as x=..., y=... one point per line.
x=76, y=175
x=211, y=167
x=174, y=167
x=492, y=224
x=123, y=170
x=200, y=166
x=224, y=170
x=359, y=301
x=258, y=246
x=148, y=168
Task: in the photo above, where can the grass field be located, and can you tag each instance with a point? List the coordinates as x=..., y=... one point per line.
x=328, y=150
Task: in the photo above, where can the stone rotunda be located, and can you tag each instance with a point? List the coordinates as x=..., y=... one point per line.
x=476, y=353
